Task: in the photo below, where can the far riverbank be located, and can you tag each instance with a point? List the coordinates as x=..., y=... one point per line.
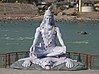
x=17, y=11
x=60, y=18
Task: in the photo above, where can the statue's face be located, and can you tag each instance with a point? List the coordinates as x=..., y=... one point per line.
x=49, y=20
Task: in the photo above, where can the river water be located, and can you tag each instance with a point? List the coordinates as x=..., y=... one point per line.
x=18, y=36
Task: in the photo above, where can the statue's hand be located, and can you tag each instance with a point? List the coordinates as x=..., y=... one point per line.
x=69, y=63
x=31, y=54
x=26, y=63
x=64, y=49
x=32, y=48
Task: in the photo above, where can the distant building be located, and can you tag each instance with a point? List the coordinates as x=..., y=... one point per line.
x=90, y=1
x=86, y=5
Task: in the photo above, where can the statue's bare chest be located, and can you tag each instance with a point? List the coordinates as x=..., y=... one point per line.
x=47, y=35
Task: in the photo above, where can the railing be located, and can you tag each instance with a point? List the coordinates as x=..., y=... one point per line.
x=90, y=61
x=9, y=58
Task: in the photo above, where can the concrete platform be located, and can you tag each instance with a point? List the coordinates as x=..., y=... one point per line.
x=15, y=71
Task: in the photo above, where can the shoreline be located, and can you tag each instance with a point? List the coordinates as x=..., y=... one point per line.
x=63, y=18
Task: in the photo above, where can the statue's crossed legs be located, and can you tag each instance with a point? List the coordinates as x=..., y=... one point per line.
x=49, y=61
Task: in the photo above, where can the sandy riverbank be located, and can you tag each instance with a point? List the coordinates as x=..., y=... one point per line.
x=15, y=71
x=40, y=17
x=17, y=11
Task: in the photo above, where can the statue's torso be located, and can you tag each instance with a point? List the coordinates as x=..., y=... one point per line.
x=48, y=37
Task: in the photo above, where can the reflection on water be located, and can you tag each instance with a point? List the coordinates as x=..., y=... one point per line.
x=79, y=42
x=18, y=36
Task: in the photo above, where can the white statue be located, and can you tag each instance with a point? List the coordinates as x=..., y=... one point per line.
x=47, y=48
x=47, y=53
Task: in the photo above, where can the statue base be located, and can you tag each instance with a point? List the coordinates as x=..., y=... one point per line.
x=77, y=66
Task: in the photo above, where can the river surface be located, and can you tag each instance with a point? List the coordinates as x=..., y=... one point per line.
x=18, y=36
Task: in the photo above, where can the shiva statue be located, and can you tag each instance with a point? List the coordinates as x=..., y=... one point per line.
x=47, y=55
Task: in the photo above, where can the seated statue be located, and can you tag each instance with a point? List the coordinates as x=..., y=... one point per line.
x=47, y=55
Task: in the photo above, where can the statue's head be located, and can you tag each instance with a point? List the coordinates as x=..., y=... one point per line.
x=48, y=18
